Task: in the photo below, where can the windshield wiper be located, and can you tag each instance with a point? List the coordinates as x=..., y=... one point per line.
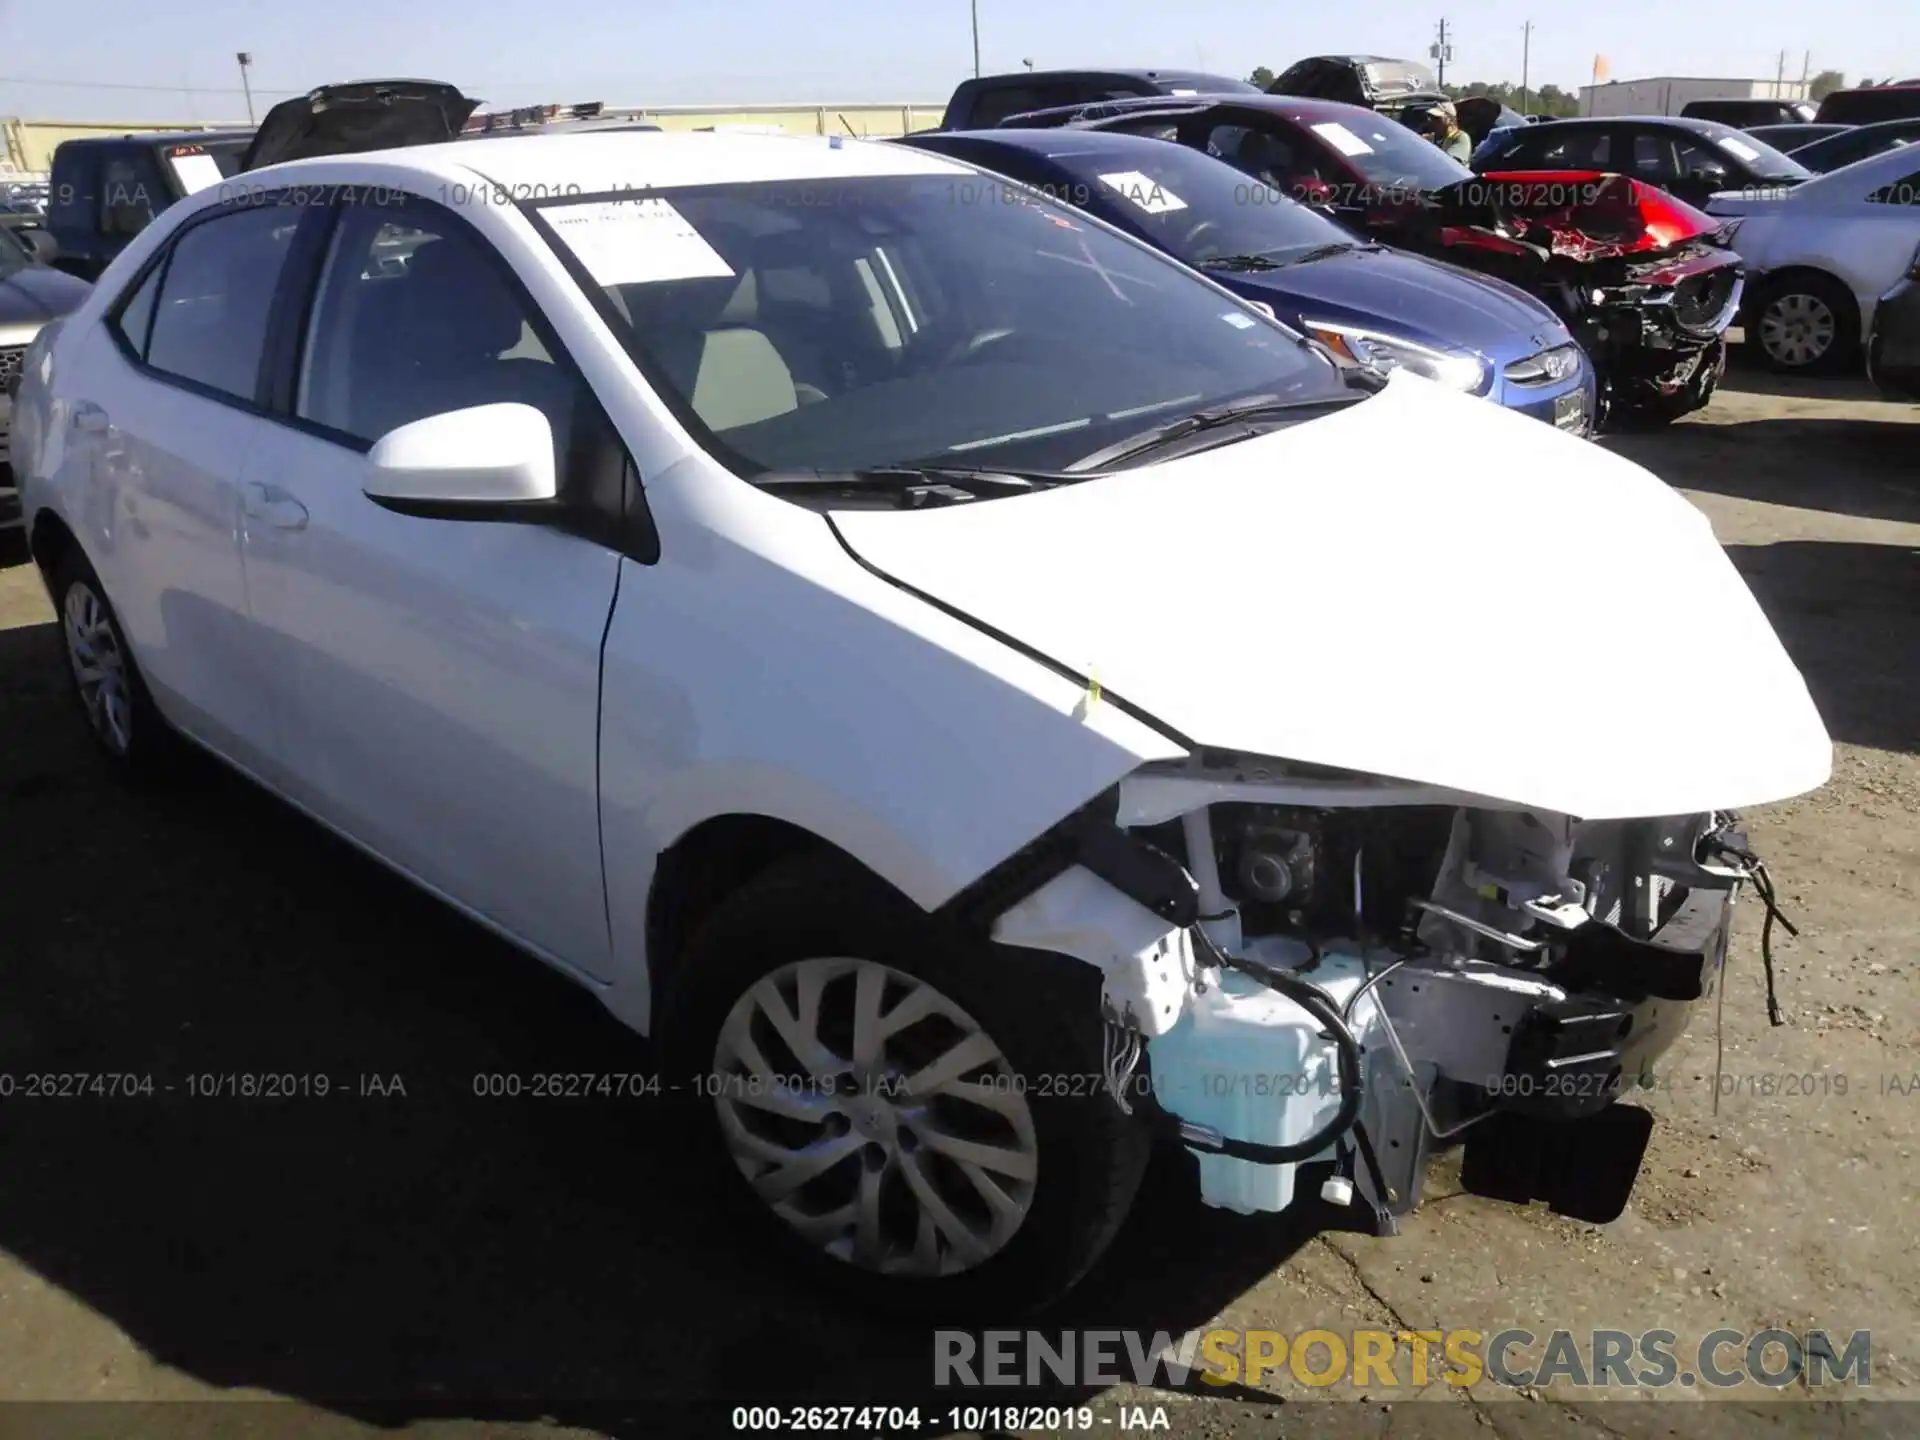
x=1258, y=407
x=1239, y=262
x=914, y=484
x=1321, y=252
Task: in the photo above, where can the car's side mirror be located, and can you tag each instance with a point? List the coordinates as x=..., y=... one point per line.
x=486, y=462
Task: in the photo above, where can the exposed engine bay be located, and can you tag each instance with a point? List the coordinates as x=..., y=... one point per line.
x=1638, y=277
x=1331, y=970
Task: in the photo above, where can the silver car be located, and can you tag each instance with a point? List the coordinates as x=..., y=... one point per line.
x=31, y=294
x=1821, y=254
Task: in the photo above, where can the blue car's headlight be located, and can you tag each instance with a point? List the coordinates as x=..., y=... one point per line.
x=1456, y=369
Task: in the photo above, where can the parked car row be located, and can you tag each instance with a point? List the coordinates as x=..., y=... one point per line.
x=1642, y=283
x=32, y=294
x=819, y=631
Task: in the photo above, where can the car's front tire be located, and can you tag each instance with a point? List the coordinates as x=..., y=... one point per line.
x=112, y=696
x=917, y=1117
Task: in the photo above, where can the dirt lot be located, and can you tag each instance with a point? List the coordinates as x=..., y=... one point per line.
x=462, y=1266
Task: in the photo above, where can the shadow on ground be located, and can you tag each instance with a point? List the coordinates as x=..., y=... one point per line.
x=1850, y=617
x=423, y=1251
x=1866, y=468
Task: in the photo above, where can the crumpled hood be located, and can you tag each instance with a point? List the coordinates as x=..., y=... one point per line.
x=1501, y=609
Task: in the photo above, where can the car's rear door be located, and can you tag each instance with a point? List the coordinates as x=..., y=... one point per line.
x=439, y=677
x=164, y=415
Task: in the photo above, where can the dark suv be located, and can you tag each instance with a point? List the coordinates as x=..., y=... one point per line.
x=1744, y=112
x=986, y=100
x=103, y=192
x=1871, y=104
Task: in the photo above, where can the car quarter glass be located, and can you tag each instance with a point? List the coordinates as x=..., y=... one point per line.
x=918, y=319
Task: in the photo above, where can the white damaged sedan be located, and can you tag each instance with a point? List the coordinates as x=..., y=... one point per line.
x=981, y=695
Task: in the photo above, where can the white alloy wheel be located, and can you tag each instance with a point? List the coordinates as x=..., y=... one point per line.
x=99, y=666
x=876, y=1117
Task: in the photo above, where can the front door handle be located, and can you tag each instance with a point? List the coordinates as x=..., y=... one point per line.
x=89, y=417
x=274, y=506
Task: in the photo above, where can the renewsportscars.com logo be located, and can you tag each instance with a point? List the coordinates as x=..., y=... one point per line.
x=1376, y=1360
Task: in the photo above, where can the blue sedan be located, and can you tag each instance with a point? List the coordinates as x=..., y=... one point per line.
x=1379, y=306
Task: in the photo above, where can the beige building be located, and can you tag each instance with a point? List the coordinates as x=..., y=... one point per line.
x=29, y=144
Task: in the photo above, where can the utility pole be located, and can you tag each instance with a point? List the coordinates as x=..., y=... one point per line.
x=1780, y=75
x=1441, y=53
x=246, y=60
x=976, y=39
x=1526, y=54
x=1806, y=70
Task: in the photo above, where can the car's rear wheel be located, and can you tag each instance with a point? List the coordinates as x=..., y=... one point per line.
x=916, y=1117
x=119, y=711
x=1806, y=322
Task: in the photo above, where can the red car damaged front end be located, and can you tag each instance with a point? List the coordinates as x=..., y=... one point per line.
x=1643, y=280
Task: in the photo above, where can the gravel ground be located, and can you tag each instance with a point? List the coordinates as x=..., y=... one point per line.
x=426, y=1260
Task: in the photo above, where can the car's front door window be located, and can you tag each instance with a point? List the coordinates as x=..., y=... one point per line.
x=416, y=317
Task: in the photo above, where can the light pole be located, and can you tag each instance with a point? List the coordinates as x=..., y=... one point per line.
x=976, y=39
x=246, y=59
x=1526, y=48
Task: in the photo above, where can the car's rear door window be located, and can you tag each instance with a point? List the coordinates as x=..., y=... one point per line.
x=210, y=325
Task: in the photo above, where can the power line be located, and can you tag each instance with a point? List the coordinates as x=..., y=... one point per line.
x=113, y=85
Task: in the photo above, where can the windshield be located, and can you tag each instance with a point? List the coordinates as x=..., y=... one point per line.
x=949, y=319
x=1387, y=153
x=1761, y=158
x=1196, y=207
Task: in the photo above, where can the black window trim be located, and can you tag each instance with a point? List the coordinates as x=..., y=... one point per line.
x=162, y=259
x=631, y=533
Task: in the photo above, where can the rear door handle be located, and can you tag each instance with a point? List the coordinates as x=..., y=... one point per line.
x=89, y=417
x=271, y=504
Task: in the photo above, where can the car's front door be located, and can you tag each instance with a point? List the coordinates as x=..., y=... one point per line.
x=164, y=419
x=439, y=678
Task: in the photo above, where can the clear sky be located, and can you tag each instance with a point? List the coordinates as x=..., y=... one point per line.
x=518, y=52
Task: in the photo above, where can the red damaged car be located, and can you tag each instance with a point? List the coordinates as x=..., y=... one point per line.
x=1642, y=280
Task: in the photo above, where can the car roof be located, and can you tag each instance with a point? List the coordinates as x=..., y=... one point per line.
x=1059, y=140
x=539, y=166
x=1293, y=107
x=162, y=137
x=1158, y=76
x=1695, y=123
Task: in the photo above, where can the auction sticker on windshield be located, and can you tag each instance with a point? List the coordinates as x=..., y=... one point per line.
x=1142, y=190
x=196, y=172
x=1341, y=138
x=1745, y=152
x=632, y=242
